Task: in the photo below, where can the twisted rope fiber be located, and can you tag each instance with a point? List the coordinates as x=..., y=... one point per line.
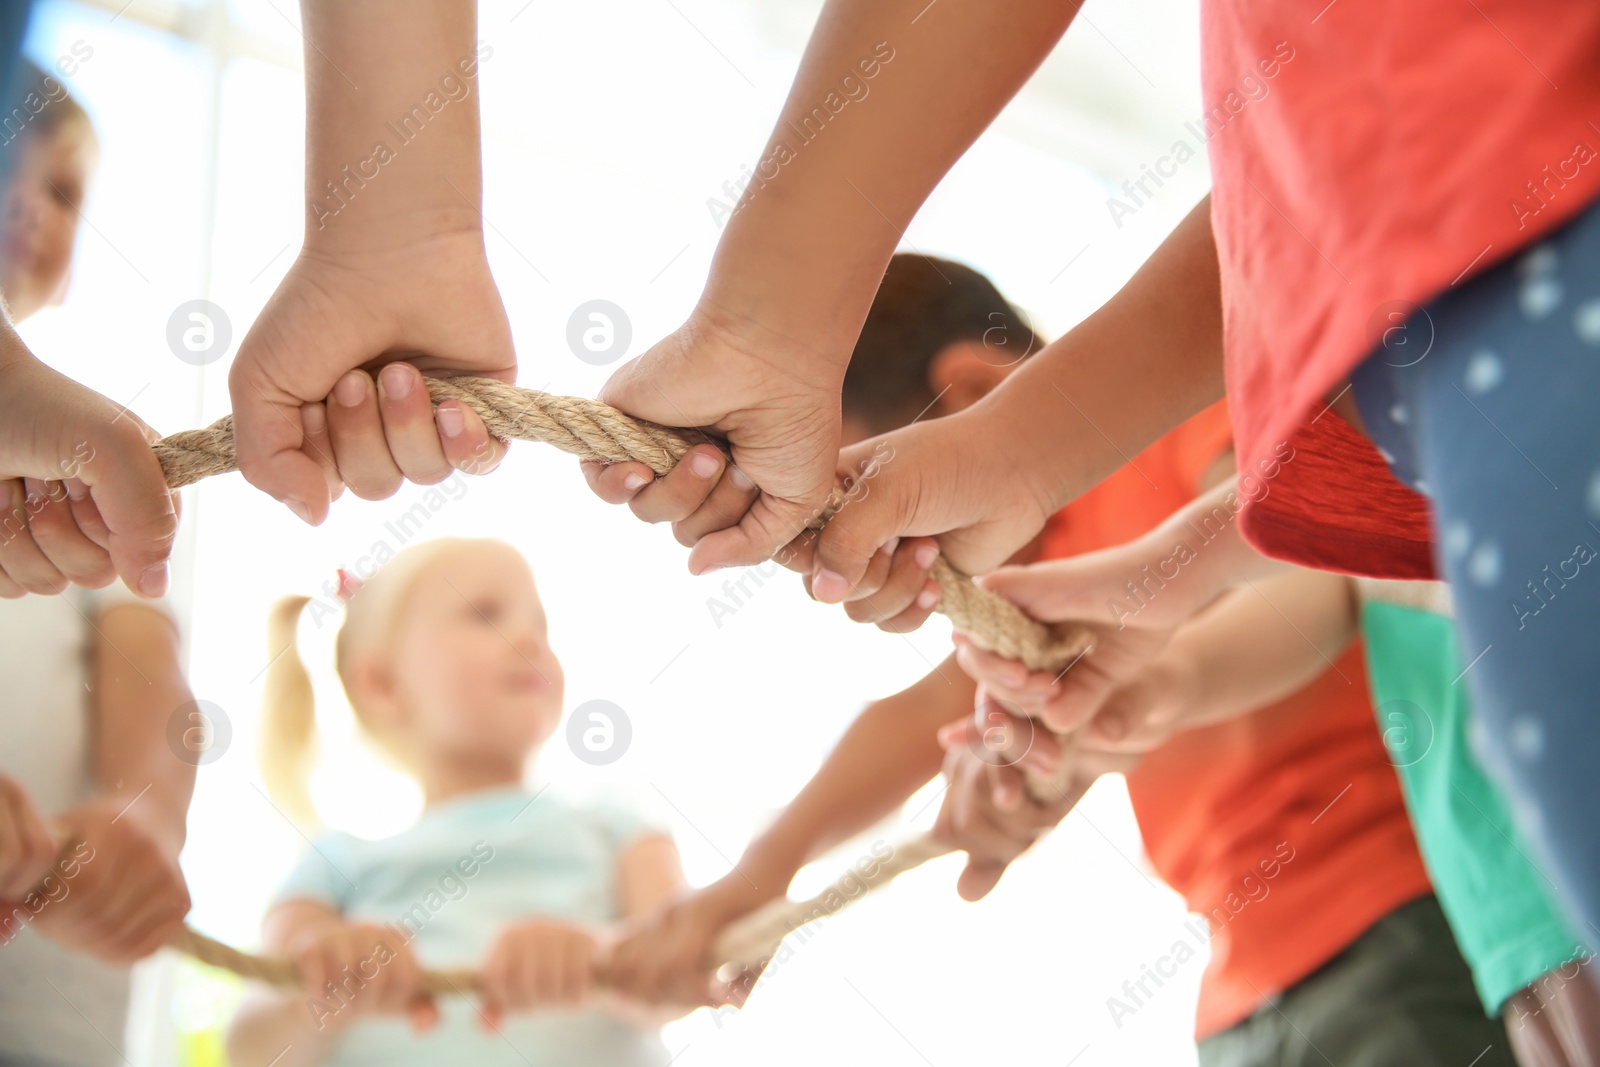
x=592, y=430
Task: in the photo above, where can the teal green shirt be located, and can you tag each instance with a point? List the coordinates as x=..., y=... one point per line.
x=449, y=884
x=1497, y=901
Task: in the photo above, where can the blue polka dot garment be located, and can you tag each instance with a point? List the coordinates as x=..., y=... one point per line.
x=1498, y=423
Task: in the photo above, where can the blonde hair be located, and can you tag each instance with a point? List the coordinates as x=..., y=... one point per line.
x=288, y=742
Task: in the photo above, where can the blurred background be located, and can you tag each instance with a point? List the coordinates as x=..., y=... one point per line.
x=610, y=134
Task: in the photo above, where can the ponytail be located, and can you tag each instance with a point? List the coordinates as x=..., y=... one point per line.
x=288, y=716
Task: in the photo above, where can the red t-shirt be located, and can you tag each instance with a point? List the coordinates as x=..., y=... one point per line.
x=1285, y=828
x=1367, y=155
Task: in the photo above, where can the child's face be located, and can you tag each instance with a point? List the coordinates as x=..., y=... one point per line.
x=475, y=677
x=40, y=220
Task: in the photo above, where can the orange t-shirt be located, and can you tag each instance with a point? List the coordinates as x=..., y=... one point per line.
x=1285, y=828
x=1366, y=156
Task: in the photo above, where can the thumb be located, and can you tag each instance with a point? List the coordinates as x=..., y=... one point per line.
x=773, y=527
x=270, y=439
x=139, y=512
x=1057, y=591
x=979, y=879
x=873, y=514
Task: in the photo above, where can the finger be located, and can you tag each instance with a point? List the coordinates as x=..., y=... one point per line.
x=724, y=508
x=86, y=515
x=907, y=594
x=1082, y=692
x=549, y=971
x=493, y=974
x=27, y=851
x=680, y=492
x=407, y=990
x=1122, y=721
x=319, y=445
x=1005, y=788
x=151, y=924
x=56, y=532
x=917, y=614
x=311, y=970
x=408, y=424
x=848, y=542
x=524, y=979
x=865, y=596
x=1044, y=755
x=621, y=962
x=20, y=555
x=736, y=989
x=890, y=585
x=355, y=430
x=269, y=436
x=469, y=447
x=1002, y=675
x=958, y=734
x=800, y=555
x=660, y=972
x=574, y=972
x=1057, y=590
x=771, y=523
x=111, y=914
x=423, y=1015
x=616, y=483
x=978, y=879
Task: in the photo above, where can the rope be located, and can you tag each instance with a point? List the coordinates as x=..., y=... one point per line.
x=748, y=942
x=592, y=430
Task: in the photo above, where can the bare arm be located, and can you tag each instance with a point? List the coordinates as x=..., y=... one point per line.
x=649, y=877
x=889, y=94
x=129, y=898
x=138, y=688
x=270, y=1023
x=889, y=752
x=817, y=225
x=986, y=479
x=886, y=755
x=392, y=269
x=1265, y=641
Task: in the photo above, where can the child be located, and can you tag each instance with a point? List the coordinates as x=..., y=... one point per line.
x=446, y=662
x=1334, y=237
x=94, y=686
x=76, y=465
x=1220, y=806
x=1527, y=966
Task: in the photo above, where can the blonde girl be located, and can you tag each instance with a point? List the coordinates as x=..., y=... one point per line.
x=445, y=658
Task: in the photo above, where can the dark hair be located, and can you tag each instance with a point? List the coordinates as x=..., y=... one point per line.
x=923, y=306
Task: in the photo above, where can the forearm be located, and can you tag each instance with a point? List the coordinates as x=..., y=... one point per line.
x=886, y=755
x=137, y=688
x=872, y=123
x=1265, y=641
x=1196, y=555
x=1145, y=361
x=274, y=1029
x=403, y=79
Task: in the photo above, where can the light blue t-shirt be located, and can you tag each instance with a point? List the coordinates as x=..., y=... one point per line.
x=449, y=884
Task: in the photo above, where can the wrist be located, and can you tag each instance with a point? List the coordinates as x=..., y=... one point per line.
x=163, y=824
x=763, y=873
x=1010, y=456
x=1186, y=665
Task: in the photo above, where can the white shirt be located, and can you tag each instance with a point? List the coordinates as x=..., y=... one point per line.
x=56, y=1006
